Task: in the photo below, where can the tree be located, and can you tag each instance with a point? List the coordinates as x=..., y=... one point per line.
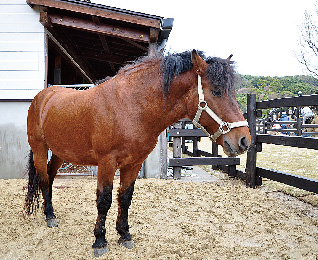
x=309, y=43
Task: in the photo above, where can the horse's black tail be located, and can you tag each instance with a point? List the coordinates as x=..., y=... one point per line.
x=33, y=193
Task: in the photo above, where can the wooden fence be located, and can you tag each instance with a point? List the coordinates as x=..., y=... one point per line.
x=253, y=173
x=179, y=134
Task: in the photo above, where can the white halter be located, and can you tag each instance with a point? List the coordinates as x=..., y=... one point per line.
x=224, y=128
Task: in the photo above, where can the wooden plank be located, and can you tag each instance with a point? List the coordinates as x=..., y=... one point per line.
x=103, y=57
x=21, y=94
x=309, y=125
x=186, y=133
x=21, y=75
x=21, y=28
x=294, y=141
x=203, y=161
x=27, y=61
x=106, y=29
x=20, y=83
x=12, y=2
x=289, y=179
x=15, y=7
x=101, y=11
x=19, y=18
x=311, y=100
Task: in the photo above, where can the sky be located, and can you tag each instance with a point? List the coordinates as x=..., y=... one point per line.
x=262, y=35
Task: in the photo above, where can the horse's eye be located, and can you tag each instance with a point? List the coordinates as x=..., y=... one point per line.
x=217, y=92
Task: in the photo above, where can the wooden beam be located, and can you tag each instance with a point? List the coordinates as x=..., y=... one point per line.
x=289, y=179
x=104, y=57
x=101, y=11
x=105, y=45
x=186, y=132
x=136, y=45
x=311, y=100
x=91, y=26
x=63, y=46
x=154, y=34
x=294, y=141
x=203, y=161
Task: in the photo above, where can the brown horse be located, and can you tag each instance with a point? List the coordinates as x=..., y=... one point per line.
x=116, y=124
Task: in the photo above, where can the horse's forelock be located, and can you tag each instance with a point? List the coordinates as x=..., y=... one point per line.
x=220, y=72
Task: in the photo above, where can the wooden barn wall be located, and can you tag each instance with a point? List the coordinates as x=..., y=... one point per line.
x=22, y=50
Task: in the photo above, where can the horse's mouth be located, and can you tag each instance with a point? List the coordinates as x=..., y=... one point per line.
x=229, y=151
x=233, y=150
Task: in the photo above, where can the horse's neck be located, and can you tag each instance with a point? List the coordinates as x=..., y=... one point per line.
x=145, y=91
x=179, y=98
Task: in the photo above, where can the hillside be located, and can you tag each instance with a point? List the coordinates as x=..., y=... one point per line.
x=273, y=87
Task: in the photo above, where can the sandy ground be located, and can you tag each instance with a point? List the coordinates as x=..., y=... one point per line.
x=169, y=220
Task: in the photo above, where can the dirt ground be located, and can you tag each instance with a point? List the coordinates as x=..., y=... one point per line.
x=169, y=220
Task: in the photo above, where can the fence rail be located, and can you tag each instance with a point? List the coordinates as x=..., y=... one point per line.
x=179, y=135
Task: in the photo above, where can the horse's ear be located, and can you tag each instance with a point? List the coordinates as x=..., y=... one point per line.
x=229, y=59
x=198, y=63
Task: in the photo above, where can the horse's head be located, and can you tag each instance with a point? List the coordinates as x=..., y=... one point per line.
x=214, y=108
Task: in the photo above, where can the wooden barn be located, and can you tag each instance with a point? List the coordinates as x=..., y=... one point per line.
x=64, y=42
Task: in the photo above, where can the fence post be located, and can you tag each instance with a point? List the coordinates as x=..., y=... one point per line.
x=163, y=154
x=299, y=126
x=251, y=153
x=195, y=147
x=177, y=152
x=215, y=153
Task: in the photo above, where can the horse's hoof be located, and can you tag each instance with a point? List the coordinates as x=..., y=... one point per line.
x=128, y=244
x=51, y=223
x=100, y=251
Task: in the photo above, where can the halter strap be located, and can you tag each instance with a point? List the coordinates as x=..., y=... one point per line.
x=224, y=128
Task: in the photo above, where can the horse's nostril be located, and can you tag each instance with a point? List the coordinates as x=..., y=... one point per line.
x=243, y=143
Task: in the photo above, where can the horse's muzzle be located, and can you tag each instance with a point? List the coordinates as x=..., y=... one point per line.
x=233, y=149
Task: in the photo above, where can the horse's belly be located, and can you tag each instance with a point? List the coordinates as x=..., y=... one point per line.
x=69, y=137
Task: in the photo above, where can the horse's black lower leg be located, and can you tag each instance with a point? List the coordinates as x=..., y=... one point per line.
x=124, y=201
x=48, y=209
x=52, y=168
x=104, y=200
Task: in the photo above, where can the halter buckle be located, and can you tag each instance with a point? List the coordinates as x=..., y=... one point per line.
x=224, y=128
x=203, y=105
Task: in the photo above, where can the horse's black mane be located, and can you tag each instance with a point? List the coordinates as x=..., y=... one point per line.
x=220, y=72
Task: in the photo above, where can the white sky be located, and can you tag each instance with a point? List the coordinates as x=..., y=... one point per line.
x=261, y=34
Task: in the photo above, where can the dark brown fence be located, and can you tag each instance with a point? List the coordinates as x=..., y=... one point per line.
x=254, y=174
x=179, y=135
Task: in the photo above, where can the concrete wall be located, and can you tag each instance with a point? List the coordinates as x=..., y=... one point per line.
x=155, y=166
x=14, y=145
x=22, y=74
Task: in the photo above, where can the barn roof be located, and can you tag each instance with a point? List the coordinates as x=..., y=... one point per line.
x=98, y=38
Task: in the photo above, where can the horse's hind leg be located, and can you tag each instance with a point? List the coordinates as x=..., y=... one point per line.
x=52, y=167
x=128, y=177
x=40, y=162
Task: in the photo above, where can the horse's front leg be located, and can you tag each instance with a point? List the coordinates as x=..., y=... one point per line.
x=105, y=177
x=128, y=177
